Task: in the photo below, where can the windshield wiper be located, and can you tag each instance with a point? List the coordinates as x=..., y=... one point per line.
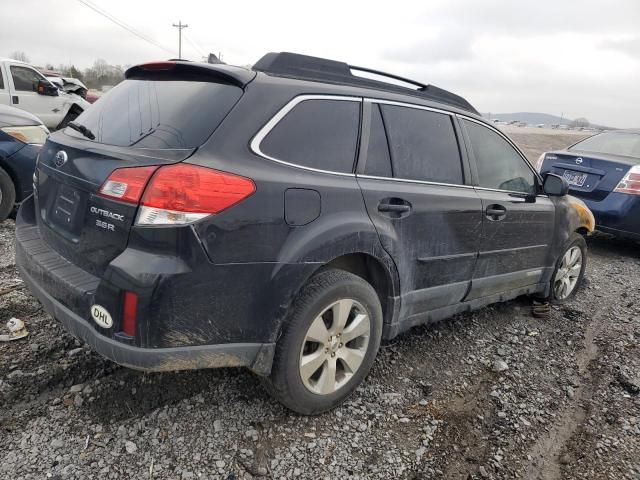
x=82, y=129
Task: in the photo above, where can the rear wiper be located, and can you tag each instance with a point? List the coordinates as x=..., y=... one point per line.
x=82, y=129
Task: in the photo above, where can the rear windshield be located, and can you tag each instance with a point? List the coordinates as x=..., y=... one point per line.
x=158, y=114
x=614, y=143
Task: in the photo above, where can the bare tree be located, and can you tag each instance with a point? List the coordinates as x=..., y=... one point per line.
x=580, y=123
x=20, y=56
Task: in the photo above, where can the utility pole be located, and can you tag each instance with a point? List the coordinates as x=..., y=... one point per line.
x=180, y=26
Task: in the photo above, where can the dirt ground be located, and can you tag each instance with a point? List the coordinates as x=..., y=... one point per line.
x=496, y=393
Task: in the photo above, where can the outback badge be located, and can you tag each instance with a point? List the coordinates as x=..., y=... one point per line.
x=101, y=316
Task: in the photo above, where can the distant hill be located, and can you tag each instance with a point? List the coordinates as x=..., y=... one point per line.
x=535, y=118
x=528, y=117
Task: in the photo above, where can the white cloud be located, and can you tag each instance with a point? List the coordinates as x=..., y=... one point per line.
x=576, y=57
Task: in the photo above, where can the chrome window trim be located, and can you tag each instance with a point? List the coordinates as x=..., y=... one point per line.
x=270, y=125
x=407, y=105
x=408, y=180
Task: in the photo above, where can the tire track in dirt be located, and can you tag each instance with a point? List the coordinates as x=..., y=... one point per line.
x=547, y=452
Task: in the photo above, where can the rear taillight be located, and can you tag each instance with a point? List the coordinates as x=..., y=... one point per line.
x=176, y=194
x=183, y=193
x=127, y=184
x=630, y=183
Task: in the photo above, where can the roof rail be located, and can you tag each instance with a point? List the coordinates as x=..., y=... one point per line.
x=305, y=67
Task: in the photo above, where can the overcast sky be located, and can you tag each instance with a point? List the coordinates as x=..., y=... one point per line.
x=579, y=58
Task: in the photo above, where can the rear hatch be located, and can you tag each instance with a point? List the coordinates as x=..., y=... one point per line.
x=591, y=176
x=157, y=116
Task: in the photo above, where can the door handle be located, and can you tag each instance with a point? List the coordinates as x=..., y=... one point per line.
x=395, y=207
x=390, y=207
x=15, y=100
x=496, y=212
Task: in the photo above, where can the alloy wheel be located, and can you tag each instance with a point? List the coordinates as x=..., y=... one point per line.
x=568, y=273
x=334, y=346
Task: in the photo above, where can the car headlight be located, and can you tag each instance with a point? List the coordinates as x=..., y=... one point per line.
x=33, y=134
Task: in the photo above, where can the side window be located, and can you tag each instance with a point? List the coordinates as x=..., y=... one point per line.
x=1, y=79
x=378, y=158
x=317, y=133
x=499, y=165
x=423, y=145
x=25, y=79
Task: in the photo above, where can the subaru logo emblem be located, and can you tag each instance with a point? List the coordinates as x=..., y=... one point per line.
x=578, y=160
x=60, y=158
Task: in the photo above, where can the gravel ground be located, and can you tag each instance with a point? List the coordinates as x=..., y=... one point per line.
x=493, y=394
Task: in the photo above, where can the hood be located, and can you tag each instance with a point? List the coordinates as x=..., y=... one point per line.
x=14, y=117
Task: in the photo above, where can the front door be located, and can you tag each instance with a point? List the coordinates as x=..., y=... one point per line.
x=414, y=188
x=25, y=95
x=518, y=221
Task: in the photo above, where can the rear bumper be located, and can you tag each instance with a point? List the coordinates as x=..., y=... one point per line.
x=618, y=213
x=67, y=292
x=258, y=357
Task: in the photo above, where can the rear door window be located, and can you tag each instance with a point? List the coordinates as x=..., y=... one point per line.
x=499, y=165
x=423, y=145
x=164, y=114
x=316, y=133
x=378, y=157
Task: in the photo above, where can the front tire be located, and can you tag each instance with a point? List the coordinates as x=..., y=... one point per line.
x=7, y=195
x=328, y=344
x=569, y=271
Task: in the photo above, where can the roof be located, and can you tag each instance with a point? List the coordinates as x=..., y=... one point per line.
x=304, y=67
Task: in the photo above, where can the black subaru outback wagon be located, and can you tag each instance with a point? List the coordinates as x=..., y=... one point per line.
x=285, y=218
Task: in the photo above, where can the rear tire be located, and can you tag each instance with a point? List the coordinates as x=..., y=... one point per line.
x=569, y=272
x=328, y=344
x=7, y=195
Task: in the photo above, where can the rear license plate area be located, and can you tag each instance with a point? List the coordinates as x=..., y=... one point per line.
x=66, y=209
x=575, y=179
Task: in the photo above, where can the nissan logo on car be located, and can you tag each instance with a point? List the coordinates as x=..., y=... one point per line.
x=579, y=160
x=60, y=158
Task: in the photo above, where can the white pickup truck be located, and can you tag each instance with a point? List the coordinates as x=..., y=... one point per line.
x=22, y=86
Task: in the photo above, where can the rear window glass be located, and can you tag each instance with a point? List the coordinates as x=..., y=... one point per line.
x=158, y=114
x=614, y=143
x=423, y=145
x=319, y=134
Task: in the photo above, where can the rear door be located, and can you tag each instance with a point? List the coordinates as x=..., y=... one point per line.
x=138, y=123
x=427, y=218
x=518, y=221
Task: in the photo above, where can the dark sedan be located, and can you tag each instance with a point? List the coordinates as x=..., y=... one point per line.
x=603, y=171
x=21, y=137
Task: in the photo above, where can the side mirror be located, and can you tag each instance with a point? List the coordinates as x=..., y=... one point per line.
x=555, y=185
x=47, y=88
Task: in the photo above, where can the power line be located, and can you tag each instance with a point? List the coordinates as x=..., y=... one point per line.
x=194, y=45
x=124, y=25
